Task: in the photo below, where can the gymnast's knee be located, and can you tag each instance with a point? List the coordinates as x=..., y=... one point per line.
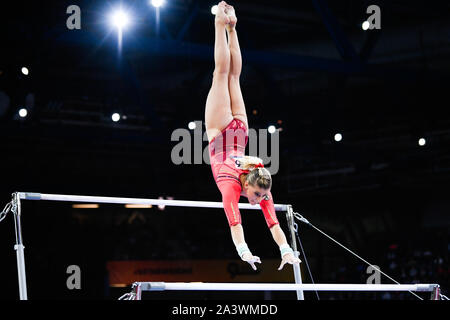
x=220, y=73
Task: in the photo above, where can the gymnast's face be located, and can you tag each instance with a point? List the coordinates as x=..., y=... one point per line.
x=256, y=194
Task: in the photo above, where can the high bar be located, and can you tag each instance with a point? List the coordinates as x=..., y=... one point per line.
x=156, y=202
x=212, y=286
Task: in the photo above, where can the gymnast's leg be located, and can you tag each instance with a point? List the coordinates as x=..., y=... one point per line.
x=237, y=101
x=218, y=105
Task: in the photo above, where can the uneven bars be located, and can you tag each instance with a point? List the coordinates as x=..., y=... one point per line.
x=212, y=286
x=116, y=200
x=16, y=208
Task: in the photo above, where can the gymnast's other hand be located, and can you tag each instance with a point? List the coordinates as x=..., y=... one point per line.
x=251, y=259
x=288, y=258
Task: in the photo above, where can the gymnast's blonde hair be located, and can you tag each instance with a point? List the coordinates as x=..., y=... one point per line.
x=257, y=176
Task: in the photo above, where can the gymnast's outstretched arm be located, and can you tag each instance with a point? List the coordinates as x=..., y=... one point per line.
x=230, y=191
x=287, y=254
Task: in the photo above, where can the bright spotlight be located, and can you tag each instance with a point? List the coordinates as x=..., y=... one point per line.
x=120, y=19
x=422, y=142
x=115, y=117
x=365, y=25
x=23, y=113
x=25, y=70
x=191, y=125
x=337, y=137
x=214, y=9
x=157, y=3
x=271, y=129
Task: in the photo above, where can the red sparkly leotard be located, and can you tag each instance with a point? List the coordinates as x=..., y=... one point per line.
x=224, y=153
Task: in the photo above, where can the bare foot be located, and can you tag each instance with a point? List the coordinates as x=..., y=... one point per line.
x=221, y=16
x=231, y=15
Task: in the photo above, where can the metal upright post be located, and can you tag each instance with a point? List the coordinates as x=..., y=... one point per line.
x=19, y=248
x=435, y=294
x=297, y=271
x=137, y=291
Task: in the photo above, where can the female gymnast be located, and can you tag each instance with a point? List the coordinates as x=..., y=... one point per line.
x=227, y=129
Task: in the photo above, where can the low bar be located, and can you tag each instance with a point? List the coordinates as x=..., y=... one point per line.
x=212, y=286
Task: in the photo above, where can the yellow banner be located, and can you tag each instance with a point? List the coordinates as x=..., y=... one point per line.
x=123, y=273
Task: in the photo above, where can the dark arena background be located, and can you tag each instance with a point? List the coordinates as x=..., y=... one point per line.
x=364, y=144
